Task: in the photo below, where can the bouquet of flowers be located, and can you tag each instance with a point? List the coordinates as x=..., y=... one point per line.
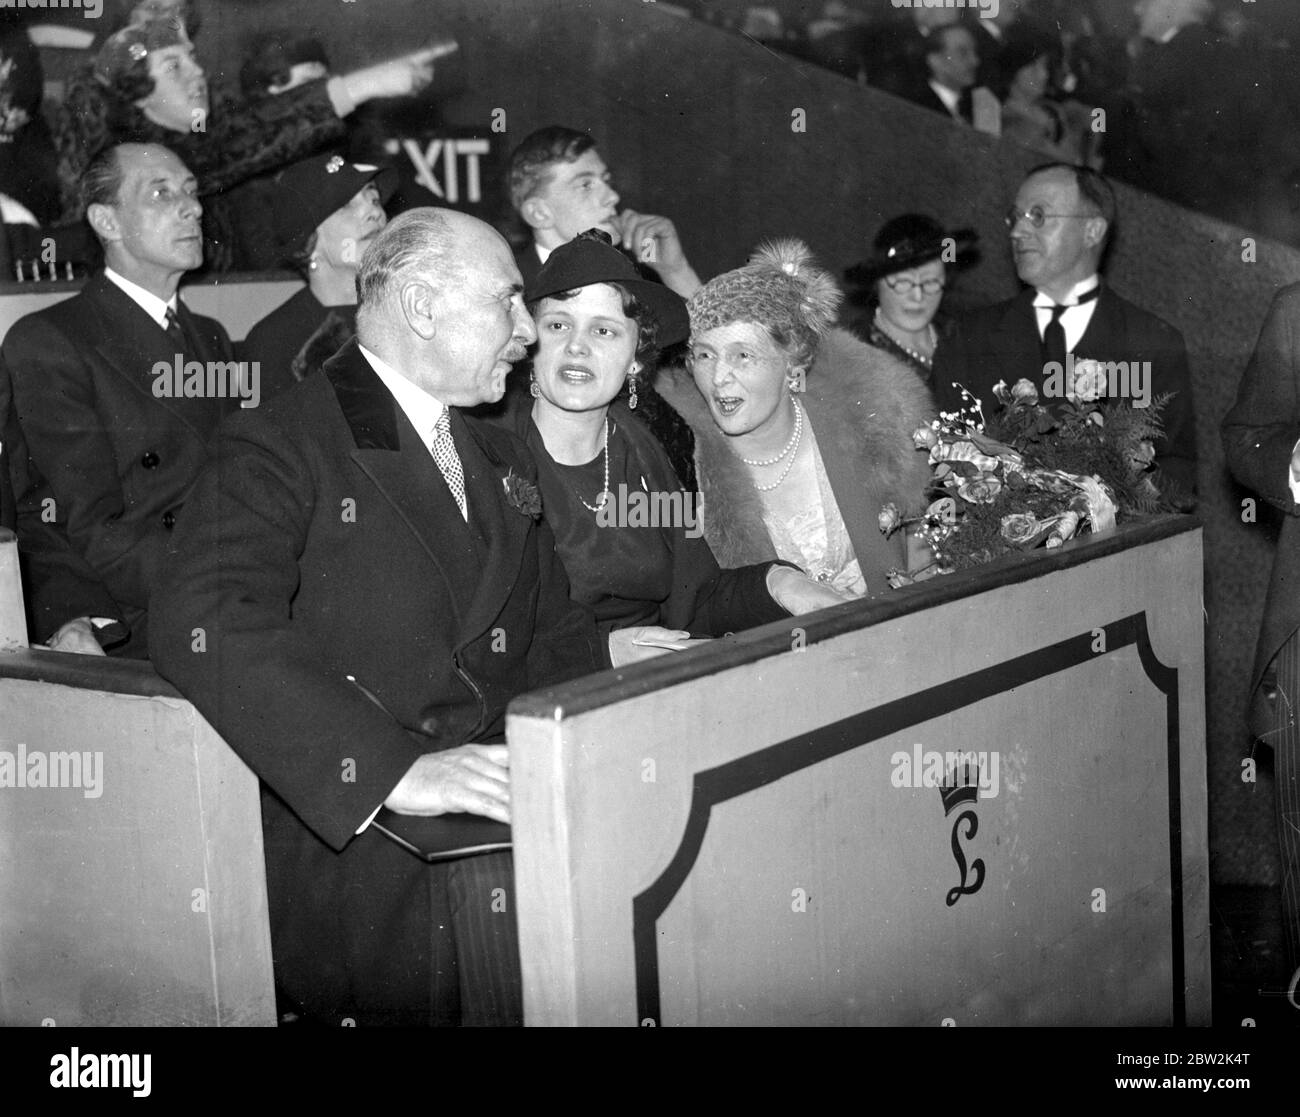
x=1032, y=475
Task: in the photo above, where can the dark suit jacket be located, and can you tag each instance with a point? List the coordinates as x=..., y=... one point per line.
x=990, y=50
x=322, y=543
x=111, y=461
x=58, y=585
x=920, y=93
x=1001, y=342
x=527, y=261
x=1259, y=434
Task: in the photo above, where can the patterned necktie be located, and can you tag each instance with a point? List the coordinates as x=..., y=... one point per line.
x=175, y=331
x=444, y=453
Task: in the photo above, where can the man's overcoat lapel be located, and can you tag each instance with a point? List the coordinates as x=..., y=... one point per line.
x=131, y=344
x=1016, y=342
x=501, y=527
x=480, y=561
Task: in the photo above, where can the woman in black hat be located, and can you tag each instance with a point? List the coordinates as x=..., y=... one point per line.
x=900, y=288
x=324, y=213
x=628, y=535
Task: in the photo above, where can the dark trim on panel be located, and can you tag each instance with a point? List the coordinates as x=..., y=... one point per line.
x=87, y=672
x=607, y=687
x=767, y=765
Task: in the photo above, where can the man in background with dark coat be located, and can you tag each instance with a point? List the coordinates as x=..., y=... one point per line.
x=1261, y=439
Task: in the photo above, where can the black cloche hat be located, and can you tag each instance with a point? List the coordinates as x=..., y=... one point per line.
x=307, y=192
x=908, y=241
x=592, y=258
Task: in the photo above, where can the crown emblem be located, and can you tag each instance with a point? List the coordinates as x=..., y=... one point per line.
x=960, y=785
x=334, y=165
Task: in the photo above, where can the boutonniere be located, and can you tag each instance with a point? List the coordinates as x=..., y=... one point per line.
x=522, y=494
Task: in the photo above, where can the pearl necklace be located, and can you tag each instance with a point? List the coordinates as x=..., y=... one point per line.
x=791, y=448
x=921, y=358
x=604, y=492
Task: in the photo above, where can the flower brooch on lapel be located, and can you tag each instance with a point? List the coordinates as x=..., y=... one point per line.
x=522, y=494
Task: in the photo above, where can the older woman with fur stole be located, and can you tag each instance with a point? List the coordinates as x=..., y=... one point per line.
x=802, y=433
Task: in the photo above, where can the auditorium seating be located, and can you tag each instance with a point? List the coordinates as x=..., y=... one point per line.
x=754, y=145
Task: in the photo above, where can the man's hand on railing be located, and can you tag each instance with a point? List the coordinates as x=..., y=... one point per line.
x=645, y=641
x=77, y=636
x=471, y=779
x=797, y=593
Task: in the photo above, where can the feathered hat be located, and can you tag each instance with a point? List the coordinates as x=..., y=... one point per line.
x=781, y=288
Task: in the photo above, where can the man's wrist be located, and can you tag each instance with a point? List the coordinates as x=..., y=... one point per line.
x=779, y=579
x=682, y=279
x=343, y=96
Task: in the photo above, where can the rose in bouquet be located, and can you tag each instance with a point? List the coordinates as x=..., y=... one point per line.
x=1033, y=475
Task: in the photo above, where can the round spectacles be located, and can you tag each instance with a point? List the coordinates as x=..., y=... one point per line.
x=743, y=359
x=1035, y=215
x=907, y=286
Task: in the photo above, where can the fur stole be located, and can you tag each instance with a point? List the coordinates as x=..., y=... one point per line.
x=863, y=406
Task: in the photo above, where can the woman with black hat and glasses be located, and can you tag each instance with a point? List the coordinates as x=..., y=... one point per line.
x=627, y=534
x=325, y=212
x=901, y=287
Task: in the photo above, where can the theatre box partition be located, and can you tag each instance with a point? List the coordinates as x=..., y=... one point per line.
x=788, y=826
x=132, y=884
x=766, y=830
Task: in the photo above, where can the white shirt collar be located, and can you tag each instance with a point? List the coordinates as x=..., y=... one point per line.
x=1072, y=296
x=147, y=301
x=420, y=407
x=950, y=98
x=543, y=254
x=1074, y=321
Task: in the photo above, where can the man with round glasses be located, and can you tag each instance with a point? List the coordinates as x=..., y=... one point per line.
x=1059, y=226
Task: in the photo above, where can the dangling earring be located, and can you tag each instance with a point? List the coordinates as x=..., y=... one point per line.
x=795, y=381
x=532, y=385
x=312, y=264
x=631, y=392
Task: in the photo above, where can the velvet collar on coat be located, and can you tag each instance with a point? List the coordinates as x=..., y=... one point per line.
x=483, y=556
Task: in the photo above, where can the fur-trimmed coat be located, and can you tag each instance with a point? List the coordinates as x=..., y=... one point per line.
x=863, y=406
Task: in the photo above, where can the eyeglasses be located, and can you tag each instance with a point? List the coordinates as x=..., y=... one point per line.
x=743, y=359
x=907, y=286
x=1036, y=216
